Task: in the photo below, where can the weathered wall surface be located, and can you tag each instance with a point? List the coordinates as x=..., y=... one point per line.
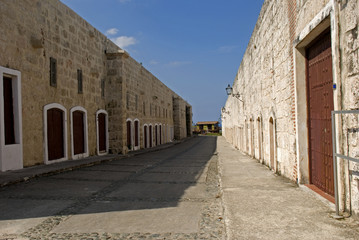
x=349, y=144
x=263, y=83
x=271, y=82
x=181, y=120
x=32, y=32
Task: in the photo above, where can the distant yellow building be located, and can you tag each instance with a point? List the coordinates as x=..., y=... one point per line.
x=205, y=127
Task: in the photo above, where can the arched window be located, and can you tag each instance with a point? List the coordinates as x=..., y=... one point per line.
x=55, y=128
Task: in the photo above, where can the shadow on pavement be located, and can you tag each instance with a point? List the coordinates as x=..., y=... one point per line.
x=172, y=180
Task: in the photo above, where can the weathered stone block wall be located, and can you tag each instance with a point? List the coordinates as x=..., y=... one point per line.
x=149, y=100
x=349, y=144
x=267, y=84
x=32, y=32
x=263, y=82
x=179, y=117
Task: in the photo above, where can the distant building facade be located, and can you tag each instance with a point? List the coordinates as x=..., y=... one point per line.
x=207, y=127
x=300, y=64
x=68, y=92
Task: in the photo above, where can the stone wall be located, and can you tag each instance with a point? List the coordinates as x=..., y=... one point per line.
x=32, y=32
x=263, y=81
x=266, y=116
x=180, y=118
x=349, y=45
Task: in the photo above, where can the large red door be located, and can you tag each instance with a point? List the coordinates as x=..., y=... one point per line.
x=102, y=131
x=320, y=103
x=78, y=132
x=55, y=134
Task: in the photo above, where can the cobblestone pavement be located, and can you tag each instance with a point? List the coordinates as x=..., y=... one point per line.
x=170, y=194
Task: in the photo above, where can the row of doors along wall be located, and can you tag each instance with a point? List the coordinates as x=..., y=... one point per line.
x=158, y=132
x=55, y=133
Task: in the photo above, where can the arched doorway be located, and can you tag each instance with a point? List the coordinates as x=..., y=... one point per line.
x=271, y=144
x=55, y=134
x=129, y=134
x=150, y=136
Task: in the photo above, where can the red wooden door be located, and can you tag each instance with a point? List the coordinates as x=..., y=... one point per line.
x=8, y=111
x=129, y=142
x=136, y=134
x=55, y=134
x=145, y=136
x=156, y=135
x=150, y=136
x=78, y=128
x=160, y=134
x=102, y=131
x=320, y=103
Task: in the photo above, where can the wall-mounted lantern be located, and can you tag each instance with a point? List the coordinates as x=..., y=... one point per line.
x=229, y=91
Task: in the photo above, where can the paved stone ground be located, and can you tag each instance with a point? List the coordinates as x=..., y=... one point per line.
x=170, y=194
x=262, y=205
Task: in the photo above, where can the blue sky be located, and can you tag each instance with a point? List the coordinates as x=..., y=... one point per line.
x=193, y=46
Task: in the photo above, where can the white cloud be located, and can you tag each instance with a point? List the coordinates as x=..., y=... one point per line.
x=124, y=41
x=112, y=31
x=178, y=63
x=154, y=62
x=227, y=49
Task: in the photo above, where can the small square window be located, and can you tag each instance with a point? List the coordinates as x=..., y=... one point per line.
x=53, y=72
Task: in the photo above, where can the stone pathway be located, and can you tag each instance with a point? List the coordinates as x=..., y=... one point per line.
x=170, y=194
x=261, y=205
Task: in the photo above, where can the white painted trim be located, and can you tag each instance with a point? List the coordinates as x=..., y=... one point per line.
x=138, y=134
x=97, y=133
x=86, y=153
x=11, y=156
x=302, y=39
x=46, y=154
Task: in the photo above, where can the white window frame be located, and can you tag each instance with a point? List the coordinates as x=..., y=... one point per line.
x=86, y=146
x=98, y=133
x=11, y=156
x=46, y=153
